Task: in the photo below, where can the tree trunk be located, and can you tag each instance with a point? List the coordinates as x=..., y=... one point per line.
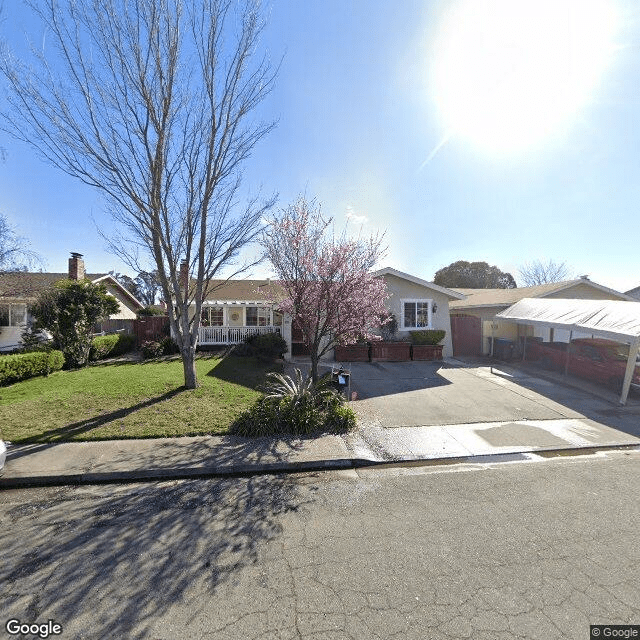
x=189, y=365
x=314, y=368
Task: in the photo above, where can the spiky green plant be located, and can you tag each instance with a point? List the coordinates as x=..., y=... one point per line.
x=298, y=388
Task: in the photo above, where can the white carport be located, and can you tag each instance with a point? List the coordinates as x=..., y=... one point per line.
x=612, y=319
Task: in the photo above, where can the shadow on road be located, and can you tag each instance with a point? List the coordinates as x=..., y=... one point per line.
x=109, y=564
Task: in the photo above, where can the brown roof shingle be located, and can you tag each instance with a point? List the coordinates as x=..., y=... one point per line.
x=28, y=285
x=239, y=290
x=507, y=297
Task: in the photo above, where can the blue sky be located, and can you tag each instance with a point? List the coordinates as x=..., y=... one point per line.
x=361, y=111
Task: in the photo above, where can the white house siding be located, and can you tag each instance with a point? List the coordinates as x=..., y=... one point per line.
x=127, y=308
x=401, y=289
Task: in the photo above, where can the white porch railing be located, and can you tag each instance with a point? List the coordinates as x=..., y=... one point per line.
x=231, y=335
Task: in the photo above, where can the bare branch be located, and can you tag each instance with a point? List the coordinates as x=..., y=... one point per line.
x=150, y=101
x=538, y=272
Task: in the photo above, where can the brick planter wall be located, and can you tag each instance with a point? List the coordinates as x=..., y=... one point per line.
x=426, y=352
x=352, y=353
x=390, y=351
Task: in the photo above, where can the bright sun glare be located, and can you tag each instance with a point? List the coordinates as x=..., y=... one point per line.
x=511, y=73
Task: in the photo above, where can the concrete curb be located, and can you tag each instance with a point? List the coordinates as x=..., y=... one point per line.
x=289, y=468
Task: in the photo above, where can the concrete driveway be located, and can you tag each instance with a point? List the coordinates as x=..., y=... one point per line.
x=428, y=410
x=394, y=394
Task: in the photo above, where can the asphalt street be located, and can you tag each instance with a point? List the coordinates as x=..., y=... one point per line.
x=533, y=549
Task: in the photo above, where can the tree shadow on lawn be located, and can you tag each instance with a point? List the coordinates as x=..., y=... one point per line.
x=82, y=426
x=128, y=562
x=244, y=371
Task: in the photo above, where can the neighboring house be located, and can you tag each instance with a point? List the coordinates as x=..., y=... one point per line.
x=235, y=309
x=473, y=319
x=634, y=293
x=18, y=289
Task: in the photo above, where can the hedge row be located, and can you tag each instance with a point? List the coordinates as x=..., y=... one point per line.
x=21, y=366
x=427, y=336
x=111, y=346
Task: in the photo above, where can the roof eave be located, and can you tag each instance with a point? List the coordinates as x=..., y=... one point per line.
x=453, y=295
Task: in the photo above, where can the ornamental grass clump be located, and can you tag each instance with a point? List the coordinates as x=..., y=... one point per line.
x=297, y=406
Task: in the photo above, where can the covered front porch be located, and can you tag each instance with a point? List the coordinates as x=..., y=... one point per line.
x=231, y=335
x=232, y=322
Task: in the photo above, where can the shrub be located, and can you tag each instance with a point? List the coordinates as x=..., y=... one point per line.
x=169, y=346
x=69, y=311
x=427, y=336
x=340, y=419
x=267, y=346
x=244, y=350
x=151, y=349
x=27, y=365
x=296, y=406
x=33, y=340
x=111, y=346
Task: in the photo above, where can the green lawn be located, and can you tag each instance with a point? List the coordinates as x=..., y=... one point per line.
x=130, y=400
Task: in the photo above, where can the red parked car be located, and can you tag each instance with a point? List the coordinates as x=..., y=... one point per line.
x=591, y=358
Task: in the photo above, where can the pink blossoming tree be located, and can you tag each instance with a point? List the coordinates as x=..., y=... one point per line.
x=328, y=286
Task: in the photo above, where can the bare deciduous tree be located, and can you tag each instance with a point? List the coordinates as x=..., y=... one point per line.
x=539, y=272
x=15, y=254
x=151, y=101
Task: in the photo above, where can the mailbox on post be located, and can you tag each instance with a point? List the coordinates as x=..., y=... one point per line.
x=341, y=379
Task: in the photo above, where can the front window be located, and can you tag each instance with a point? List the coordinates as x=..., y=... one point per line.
x=13, y=315
x=217, y=316
x=258, y=316
x=211, y=317
x=416, y=314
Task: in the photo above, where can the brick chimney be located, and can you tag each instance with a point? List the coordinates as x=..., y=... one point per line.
x=184, y=276
x=76, y=267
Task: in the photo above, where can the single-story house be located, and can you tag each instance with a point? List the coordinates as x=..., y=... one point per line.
x=18, y=289
x=473, y=319
x=235, y=309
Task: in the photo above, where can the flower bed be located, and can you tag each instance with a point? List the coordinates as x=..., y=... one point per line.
x=390, y=351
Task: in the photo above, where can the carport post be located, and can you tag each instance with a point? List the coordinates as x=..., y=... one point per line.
x=634, y=347
x=566, y=364
x=524, y=347
x=493, y=336
x=493, y=341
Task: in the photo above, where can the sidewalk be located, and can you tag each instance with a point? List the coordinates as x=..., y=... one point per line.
x=32, y=465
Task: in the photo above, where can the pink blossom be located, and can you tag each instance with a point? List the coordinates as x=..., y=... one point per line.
x=330, y=291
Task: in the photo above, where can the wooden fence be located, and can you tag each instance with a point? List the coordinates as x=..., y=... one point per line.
x=150, y=328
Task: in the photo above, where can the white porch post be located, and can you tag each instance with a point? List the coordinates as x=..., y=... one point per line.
x=634, y=347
